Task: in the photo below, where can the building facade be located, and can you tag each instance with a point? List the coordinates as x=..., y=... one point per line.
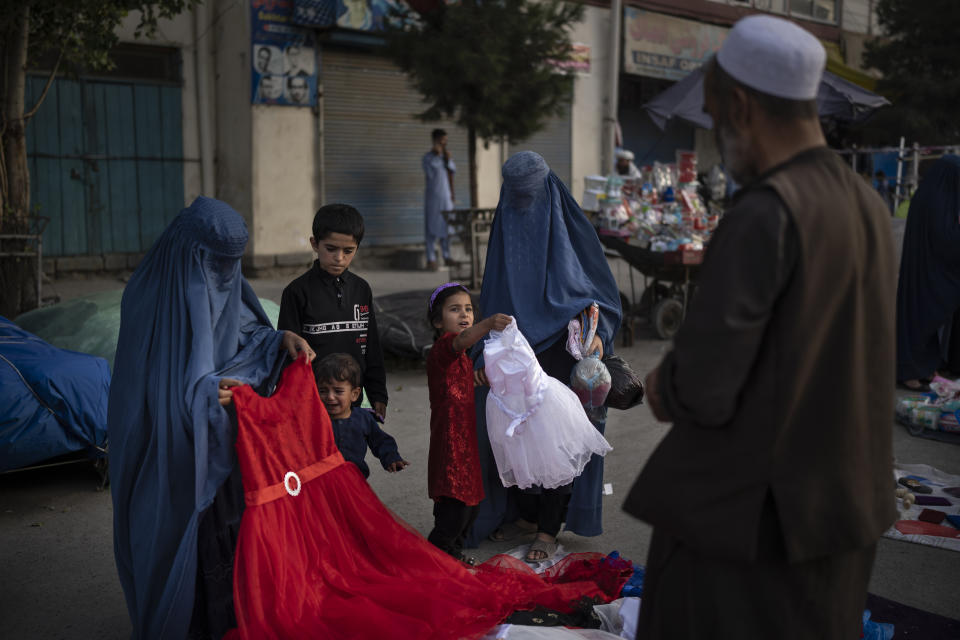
x=236, y=101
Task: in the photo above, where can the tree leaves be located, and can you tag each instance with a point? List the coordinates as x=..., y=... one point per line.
x=85, y=29
x=918, y=57
x=489, y=66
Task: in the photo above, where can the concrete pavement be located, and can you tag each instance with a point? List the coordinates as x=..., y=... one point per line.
x=56, y=530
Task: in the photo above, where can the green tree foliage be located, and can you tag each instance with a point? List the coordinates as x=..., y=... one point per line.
x=919, y=56
x=65, y=34
x=489, y=66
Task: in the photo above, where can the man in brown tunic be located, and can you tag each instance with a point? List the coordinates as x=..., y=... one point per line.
x=770, y=491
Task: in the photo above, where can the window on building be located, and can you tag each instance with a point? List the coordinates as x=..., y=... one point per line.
x=821, y=10
x=774, y=6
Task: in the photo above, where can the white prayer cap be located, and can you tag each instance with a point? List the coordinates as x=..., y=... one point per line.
x=774, y=56
x=623, y=154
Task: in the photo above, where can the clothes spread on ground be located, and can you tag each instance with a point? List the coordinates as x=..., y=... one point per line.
x=319, y=556
x=354, y=434
x=335, y=315
x=537, y=427
x=188, y=318
x=437, y=197
x=453, y=468
x=928, y=293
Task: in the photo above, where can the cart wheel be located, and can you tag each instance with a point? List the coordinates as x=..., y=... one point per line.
x=666, y=317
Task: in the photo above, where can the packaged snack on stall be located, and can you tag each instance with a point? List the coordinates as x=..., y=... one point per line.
x=663, y=178
x=686, y=167
x=614, y=186
x=647, y=193
x=692, y=203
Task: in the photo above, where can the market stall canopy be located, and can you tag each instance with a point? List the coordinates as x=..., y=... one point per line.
x=838, y=99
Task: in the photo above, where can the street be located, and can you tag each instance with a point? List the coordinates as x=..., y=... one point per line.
x=56, y=529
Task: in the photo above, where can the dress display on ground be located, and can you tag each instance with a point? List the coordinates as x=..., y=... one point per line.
x=319, y=556
x=539, y=432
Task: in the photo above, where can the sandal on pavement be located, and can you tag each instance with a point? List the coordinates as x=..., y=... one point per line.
x=511, y=531
x=540, y=550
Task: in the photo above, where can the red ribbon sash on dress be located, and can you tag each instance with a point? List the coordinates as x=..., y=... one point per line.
x=305, y=475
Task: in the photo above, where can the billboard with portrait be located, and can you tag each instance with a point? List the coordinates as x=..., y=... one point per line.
x=283, y=56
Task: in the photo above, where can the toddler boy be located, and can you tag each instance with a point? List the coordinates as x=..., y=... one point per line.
x=354, y=429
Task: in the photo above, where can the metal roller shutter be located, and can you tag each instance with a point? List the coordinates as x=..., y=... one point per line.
x=373, y=145
x=554, y=143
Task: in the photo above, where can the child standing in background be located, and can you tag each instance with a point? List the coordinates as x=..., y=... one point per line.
x=331, y=307
x=354, y=429
x=453, y=469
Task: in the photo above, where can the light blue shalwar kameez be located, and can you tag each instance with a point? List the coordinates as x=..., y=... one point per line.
x=436, y=199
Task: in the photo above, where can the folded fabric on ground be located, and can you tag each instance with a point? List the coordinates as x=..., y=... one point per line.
x=52, y=401
x=522, y=632
x=946, y=489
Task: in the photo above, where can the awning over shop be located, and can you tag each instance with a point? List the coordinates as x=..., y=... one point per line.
x=838, y=99
x=838, y=67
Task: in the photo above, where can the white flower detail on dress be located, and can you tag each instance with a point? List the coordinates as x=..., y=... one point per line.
x=286, y=483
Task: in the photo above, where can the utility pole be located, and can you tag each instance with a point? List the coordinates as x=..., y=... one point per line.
x=613, y=88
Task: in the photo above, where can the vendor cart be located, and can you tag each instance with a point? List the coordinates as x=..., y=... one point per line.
x=472, y=228
x=669, y=279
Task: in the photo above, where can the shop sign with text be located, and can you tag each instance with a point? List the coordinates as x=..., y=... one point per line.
x=662, y=46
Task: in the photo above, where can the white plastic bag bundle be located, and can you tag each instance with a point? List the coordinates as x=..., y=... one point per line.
x=590, y=379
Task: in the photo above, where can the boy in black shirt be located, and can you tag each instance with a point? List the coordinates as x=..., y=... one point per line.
x=333, y=308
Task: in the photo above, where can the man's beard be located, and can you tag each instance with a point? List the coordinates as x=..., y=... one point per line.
x=733, y=154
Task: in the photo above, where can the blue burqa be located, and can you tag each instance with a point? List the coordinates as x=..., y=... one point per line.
x=928, y=292
x=544, y=265
x=188, y=318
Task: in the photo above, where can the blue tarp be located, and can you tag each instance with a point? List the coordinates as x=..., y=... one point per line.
x=52, y=401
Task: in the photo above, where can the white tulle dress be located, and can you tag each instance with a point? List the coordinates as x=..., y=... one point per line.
x=538, y=430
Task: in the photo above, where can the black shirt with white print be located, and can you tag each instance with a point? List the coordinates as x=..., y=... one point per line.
x=334, y=314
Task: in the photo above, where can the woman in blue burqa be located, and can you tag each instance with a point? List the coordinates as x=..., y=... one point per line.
x=190, y=328
x=928, y=292
x=544, y=266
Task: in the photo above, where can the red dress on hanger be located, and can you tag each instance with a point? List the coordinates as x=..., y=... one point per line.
x=319, y=556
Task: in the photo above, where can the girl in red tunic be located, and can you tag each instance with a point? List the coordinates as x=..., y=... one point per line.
x=454, y=478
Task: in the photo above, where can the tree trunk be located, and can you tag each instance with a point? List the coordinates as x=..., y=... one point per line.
x=16, y=197
x=17, y=285
x=472, y=164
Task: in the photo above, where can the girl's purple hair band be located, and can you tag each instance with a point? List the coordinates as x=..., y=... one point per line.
x=436, y=292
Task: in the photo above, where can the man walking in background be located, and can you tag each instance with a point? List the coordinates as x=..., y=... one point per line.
x=438, y=169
